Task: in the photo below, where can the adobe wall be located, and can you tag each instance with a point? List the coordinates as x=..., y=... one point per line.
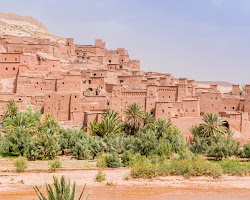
x=58, y=105
x=184, y=123
x=187, y=108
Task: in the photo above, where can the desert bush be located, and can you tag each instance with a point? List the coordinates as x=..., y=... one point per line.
x=65, y=139
x=81, y=150
x=32, y=152
x=146, y=142
x=143, y=169
x=55, y=164
x=185, y=154
x=96, y=146
x=246, y=150
x=164, y=148
x=194, y=167
x=2, y=144
x=21, y=164
x=113, y=143
x=222, y=147
x=127, y=158
x=17, y=140
x=101, y=161
x=21, y=181
x=234, y=167
x=112, y=160
x=200, y=145
x=174, y=136
x=184, y=167
x=100, y=176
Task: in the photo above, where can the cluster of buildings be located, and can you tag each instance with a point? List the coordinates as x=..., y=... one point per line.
x=77, y=83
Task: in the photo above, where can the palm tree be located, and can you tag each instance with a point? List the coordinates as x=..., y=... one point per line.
x=50, y=123
x=111, y=123
x=20, y=120
x=148, y=118
x=48, y=144
x=195, y=131
x=11, y=109
x=213, y=124
x=27, y=119
x=62, y=191
x=134, y=115
x=161, y=126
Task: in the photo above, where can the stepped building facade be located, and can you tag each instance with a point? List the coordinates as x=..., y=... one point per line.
x=77, y=83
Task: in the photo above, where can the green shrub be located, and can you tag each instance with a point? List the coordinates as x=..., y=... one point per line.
x=21, y=181
x=146, y=142
x=184, y=167
x=112, y=160
x=223, y=147
x=32, y=152
x=235, y=167
x=96, y=146
x=127, y=158
x=200, y=145
x=175, y=137
x=164, y=148
x=20, y=164
x=194, y=167
x=17, y=140
x=143, y=169
x=246, y=150
x=81, y=150
x=100, y=176
x=48, y=144
x=185, y=154
x=55, y=164
x=101, y=161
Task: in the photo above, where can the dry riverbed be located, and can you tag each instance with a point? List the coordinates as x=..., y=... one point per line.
x=20, y=185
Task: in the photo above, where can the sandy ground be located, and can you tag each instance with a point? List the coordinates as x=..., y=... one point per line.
x=171, y=187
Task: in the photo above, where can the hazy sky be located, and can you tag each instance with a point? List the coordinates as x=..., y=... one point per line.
x=197, y=39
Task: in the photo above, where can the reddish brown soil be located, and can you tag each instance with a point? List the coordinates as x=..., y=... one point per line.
x=170, y=188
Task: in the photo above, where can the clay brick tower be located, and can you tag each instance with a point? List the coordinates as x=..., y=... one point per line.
x=247, y=100
x=151, y=98
x=182, y=89
x=236, y=89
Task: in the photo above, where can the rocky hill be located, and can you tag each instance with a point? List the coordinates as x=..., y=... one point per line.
x=24, y=26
